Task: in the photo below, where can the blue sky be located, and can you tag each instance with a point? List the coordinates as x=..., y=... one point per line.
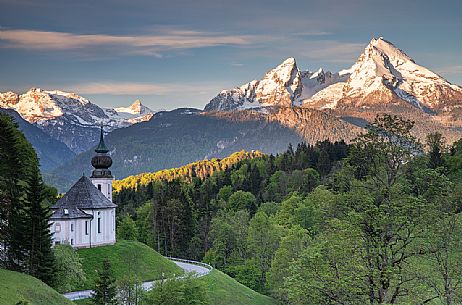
x=182, y=53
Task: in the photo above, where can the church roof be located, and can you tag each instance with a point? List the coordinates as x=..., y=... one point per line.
x=101, y=148
x=69, y=213
x=84, y=195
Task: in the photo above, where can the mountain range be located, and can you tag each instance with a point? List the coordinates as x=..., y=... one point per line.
x=287, y=105
x=383, y=74
x=70, y=118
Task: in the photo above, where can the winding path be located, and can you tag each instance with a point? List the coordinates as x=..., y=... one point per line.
x=197, y=268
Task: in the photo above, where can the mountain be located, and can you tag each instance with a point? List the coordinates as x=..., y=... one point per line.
x=384, y=79
x=284, y=85
x=383, y=74
x=70, y=118
x=51, y=152
x=175, y=138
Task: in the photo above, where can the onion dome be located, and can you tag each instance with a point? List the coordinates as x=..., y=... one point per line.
x=102, y=161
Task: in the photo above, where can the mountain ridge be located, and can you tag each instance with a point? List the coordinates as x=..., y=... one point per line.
x=382, y=74
x=70, y=118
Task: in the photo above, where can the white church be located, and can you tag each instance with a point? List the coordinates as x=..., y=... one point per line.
x=85, y=216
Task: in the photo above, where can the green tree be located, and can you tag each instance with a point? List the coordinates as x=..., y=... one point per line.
x=390, y=219
x=436, y=146
x=329, y=270
x=127, y=229
x=291, y=245
x=262, y=242
x=39, y=257
x=68, y=268
x=186, y=291
x=17, y=160
x=228, y=232
x=104, y=292
x=241, y=200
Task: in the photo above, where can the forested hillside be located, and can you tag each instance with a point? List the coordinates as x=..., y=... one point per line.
x=175, y=138
x=374, y=222
x=200, y=169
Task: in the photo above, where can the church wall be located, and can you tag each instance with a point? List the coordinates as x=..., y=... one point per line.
x=104, y=185
x=107, y=226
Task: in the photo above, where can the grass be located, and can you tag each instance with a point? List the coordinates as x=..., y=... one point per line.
x=16, y=287
x=224, y=290
x=126, y=257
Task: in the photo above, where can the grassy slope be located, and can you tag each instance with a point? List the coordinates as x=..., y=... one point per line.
x=125, y=256
x=15, y=287
x=224, y=290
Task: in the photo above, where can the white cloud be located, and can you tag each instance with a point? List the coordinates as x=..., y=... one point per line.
x=136, y=88
x=143, y=44
x=450, y=70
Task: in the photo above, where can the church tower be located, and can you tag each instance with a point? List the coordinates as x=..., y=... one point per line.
x=101, y=176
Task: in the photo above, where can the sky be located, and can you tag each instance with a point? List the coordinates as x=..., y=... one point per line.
x=174, y=54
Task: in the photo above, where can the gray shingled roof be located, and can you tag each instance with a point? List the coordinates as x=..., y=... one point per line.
x=84, y=195
x=69, y=213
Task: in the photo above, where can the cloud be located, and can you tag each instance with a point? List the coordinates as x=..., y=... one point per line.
x=450, y=70
x=166, y=39
x=137, y=89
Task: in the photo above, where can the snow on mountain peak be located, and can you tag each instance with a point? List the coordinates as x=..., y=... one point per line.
x=383, y=73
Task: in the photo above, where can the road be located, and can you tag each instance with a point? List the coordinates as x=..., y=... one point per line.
x=197, y=268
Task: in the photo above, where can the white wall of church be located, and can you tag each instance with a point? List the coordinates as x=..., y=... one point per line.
x=104, y=185
x=85, y=233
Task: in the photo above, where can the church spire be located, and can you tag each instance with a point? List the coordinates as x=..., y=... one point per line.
x=102, y=161
x=101, y=148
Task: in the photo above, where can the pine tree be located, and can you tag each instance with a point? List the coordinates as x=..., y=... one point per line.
x=17, y=157
x=105, y=289
x=40, y=259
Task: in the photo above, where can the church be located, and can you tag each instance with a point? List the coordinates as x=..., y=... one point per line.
x=85, y=216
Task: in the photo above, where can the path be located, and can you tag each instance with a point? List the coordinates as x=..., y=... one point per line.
x=199, y=269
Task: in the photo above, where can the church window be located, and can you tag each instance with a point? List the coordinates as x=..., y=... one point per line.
x=58, y=228
x=99, y=187
x=99, y=224
x=86, y=227
x=72, y=241
x=72, y=227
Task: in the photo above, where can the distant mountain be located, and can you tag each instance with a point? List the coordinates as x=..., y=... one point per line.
x=383, y=80
x=51, y=152
x=284, y=85
x=70, y=118
x=383, y=74
x=175, y=138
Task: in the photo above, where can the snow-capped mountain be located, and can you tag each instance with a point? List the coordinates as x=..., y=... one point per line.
x=385, y=74
x=382, y=74
x=70, y=118
x=284, y=85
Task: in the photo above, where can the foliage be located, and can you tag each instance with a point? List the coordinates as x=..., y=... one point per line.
x=24, y=210
x=104, y=292
x=185, y=291
x=68, y=268
x=127, y=229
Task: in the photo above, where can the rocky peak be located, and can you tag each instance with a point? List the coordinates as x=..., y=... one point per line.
x=136, y=106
